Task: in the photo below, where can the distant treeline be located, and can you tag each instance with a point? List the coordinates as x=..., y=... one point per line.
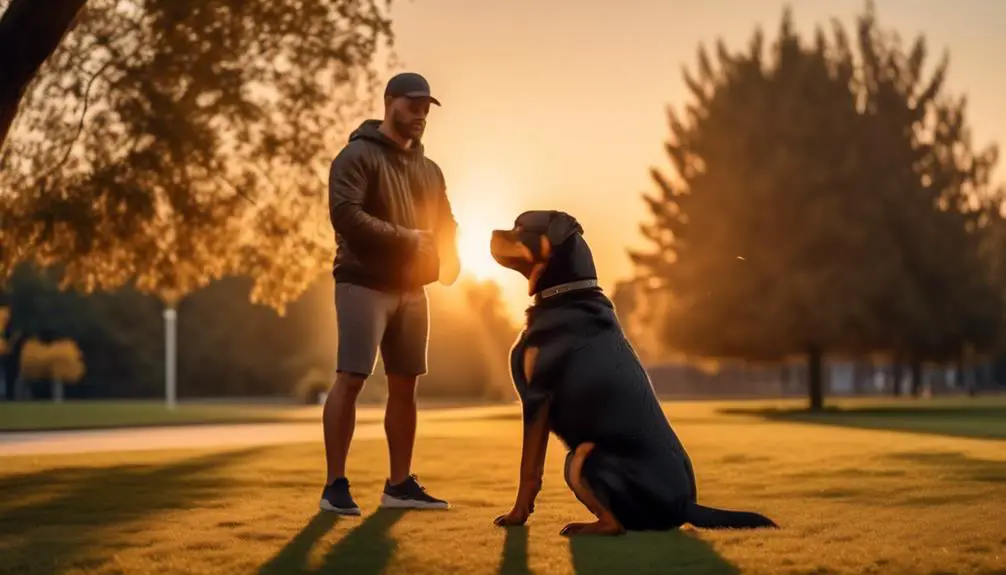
x=230, y=347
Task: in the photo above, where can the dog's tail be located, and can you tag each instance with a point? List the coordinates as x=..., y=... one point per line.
x=712, y=518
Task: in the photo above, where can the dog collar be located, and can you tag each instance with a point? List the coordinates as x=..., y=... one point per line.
x=563, y=288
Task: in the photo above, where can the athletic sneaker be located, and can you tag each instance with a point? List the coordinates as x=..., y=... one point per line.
x=409, y=494
x=336, y=497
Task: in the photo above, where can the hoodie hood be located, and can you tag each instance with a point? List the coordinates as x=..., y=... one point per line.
x=369, y=130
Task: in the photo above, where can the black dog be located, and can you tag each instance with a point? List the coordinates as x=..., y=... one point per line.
x=578, y=377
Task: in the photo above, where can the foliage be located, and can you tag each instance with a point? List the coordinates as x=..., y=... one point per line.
x=822, y=203
x=59, y=361
x=4, y=319
x=168, y=144
x=228, y=346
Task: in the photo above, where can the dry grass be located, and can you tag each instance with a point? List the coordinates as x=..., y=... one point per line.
x=849, y=500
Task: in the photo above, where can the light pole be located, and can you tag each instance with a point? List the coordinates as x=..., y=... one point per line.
x=170, y=355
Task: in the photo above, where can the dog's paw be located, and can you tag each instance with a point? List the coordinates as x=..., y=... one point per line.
x=512, y=519
x=596, y=528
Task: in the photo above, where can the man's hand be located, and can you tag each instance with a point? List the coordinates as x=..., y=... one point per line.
x=427, y=243
x=450, y=269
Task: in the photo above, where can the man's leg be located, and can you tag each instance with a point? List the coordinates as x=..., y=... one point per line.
x=400, y=425
x=404, y=351
x=362, y=316
x=339, y=422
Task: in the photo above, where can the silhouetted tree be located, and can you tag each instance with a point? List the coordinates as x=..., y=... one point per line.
x=936, y=191
x=816, y=207
x=170, y=143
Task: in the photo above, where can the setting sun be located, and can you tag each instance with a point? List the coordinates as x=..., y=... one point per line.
x=473, y=248
x=479, y=207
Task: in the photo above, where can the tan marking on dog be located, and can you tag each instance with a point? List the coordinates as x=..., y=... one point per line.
x=530, y=356
x=546, y=246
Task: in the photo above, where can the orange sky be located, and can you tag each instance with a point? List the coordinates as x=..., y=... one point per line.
x=560, y=104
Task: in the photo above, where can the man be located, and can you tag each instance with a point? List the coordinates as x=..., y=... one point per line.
x=394, y=228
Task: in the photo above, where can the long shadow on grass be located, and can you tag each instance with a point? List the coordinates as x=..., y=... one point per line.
x=677, y=552
x=514, y=560
x=292, y=558
x=972, y=421
x=960, y=465
x=67, y=518
x=366, y=550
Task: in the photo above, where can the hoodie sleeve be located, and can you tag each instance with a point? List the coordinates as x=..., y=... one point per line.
x=347, y=188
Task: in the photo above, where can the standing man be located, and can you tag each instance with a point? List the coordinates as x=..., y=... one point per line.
x=395, y=234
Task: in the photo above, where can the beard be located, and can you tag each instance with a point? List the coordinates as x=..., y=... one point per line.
x=405, y=130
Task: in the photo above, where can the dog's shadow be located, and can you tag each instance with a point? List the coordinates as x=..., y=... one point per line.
x=514, y=560
x=679, y=552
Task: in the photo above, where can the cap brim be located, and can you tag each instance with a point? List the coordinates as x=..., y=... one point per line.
x=422, y=95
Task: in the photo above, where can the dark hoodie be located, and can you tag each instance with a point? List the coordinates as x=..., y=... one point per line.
x=378, y=193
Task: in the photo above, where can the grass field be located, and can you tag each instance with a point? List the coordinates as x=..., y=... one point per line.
x=33, y=415
x=94, y=414
x=956, y=416
x=850, y=500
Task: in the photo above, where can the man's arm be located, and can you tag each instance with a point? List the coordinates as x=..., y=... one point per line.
x=347, y=187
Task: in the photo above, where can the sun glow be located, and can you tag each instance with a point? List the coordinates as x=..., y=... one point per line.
x=480, y=207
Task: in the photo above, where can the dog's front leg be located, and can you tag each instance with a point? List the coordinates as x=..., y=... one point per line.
x=535, y=444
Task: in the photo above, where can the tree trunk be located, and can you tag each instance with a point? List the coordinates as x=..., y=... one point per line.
x=815, y=379
x=57, y=391
x=30, y=31
x=916, y=378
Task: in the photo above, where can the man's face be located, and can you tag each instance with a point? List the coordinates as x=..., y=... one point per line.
x=408, y=116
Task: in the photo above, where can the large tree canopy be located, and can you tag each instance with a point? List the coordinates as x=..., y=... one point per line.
x=170, y=143
x=821, y=202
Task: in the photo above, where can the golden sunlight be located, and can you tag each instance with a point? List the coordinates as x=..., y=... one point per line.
x=483, y=203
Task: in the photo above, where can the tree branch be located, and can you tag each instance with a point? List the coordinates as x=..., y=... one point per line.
x=30, y=31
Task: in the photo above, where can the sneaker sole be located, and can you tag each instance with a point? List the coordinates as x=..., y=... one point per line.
x=395, y=503
x=326, y=506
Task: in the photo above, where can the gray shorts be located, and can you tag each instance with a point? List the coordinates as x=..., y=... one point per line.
x=397, y=323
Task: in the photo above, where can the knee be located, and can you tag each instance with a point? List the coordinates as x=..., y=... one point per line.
x=402, y=389
x=348, y=385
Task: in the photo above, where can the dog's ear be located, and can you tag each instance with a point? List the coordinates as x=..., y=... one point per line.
x=561, y=226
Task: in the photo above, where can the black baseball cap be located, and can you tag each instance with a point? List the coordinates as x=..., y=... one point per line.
x=409, y=85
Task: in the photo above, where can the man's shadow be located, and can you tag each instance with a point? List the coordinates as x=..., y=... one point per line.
x=365, y=550
x=292, y=558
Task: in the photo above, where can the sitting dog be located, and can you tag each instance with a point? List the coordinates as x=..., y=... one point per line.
x=578, y=377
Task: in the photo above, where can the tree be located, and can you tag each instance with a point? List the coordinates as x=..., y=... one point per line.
x=938, y=199
x=752, y=242
x=5, y=351
x=4, y=318
x=29, y=33
x=809, y=213
x=59, y=363
x=170, y=144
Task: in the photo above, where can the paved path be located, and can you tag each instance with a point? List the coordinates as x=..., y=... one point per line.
x=433, y=423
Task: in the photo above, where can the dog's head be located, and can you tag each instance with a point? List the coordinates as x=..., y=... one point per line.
x=546, y=247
